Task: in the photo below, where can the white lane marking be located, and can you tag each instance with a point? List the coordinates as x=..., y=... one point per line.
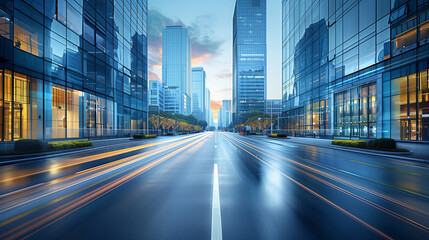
x=216, y=218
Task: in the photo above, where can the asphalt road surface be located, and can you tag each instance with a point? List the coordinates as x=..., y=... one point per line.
x=214, y=186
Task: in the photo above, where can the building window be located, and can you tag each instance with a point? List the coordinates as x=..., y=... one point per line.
x=424, y=28
x=256, y=3
x=4, y=25
x=28, y=35
x=356, y=112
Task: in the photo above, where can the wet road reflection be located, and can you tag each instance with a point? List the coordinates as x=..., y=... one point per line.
x=166, y=189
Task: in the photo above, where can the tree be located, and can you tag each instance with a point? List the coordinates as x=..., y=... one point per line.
x=155, y=121
x=244, y=117
x=203, y=124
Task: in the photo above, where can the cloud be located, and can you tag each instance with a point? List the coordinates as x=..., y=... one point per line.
x=225, y=90
x=225, y=74
x=201, y=59
x=201, y=35
x=215, y=105
x=154, y=76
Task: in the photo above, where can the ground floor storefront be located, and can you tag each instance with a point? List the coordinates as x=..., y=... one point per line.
x=34, y=108
x=391, y=104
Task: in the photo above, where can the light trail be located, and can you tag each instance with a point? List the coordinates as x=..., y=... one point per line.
x=67, y=208
x=123, y=163
x=357, y=162
x=355, y=218
x=87, y=159
x=356, y=186
x=392, y=213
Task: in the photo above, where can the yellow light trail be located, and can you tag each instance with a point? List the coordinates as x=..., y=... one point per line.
x=87, y=159
x=125, y=162
x=67, y=208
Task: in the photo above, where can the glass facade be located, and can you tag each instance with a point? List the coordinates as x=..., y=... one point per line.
x=356, y=68
x=249, y=57
x=72, y=69
x=176, y=65
x=207, y=105
x=199, y=93
x=172, y=99
x=224, y=117
x=156, y=96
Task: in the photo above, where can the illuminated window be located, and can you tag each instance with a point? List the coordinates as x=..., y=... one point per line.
x=28, y=35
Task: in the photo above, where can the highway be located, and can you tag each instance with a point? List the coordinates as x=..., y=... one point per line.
x=214, y=185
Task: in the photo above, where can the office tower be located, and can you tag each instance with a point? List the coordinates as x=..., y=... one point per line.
x=156, y=96
x=356, y=70
x=74, y=70
x=172, y=100
x=226, y=113
x=211, y=123
x=219, y=119
x=176, y=65
x=249, y=57
x=199, y=93
x=208, y=106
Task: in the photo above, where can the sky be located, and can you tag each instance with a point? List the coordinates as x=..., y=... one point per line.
x=209, y=24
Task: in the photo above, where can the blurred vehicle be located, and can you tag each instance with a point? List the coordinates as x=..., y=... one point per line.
x=245, y=130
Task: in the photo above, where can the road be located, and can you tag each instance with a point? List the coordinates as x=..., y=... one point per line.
x=214, y=186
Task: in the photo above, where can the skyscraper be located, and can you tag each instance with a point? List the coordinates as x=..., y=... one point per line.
x=75, y=70
x=225, y=116
x=172, y=99
x=207, y=106
x=176, y=65
x=199, y=93
x=212, y=123
x=249, y=57
x=156, y=96
x=356, y=70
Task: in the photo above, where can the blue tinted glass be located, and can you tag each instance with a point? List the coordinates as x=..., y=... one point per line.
x=74, y=20
x=350, y=22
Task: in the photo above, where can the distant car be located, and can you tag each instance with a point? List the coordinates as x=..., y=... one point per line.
x=245, y=130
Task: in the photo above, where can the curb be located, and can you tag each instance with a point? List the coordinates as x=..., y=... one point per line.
x=40, y=156
x=372, y=152
x=367, y=151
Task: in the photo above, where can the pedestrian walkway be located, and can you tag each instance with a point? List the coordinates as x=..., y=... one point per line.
x=99, y=143
x=418, y=150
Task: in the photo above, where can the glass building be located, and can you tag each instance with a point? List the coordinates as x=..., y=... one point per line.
x=207, y=105
x=172, y=99
x=72, y=68
x=249, y=57
x=225, y=116
x=199, y=93
x=156, y=96
x=176, y=65
x=356, y=68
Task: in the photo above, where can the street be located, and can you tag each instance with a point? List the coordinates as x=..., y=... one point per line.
x=214, y=185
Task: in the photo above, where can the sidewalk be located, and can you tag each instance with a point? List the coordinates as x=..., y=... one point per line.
x=419, y=151
x=96, y=144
